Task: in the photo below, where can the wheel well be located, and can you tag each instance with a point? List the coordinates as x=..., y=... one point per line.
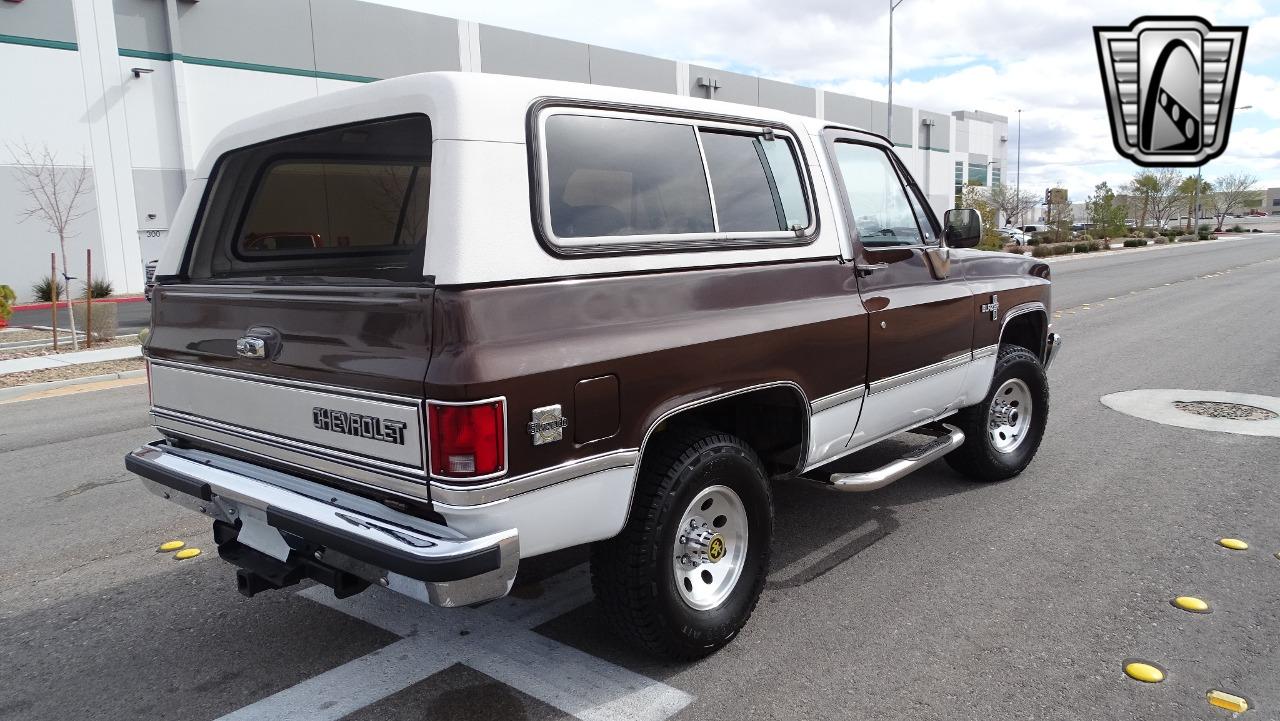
x=1027, y=330
x=774, y=421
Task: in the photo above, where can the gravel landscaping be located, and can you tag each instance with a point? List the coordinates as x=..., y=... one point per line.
x=9, y=380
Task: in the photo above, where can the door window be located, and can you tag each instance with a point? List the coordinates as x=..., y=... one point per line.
x=879, y=204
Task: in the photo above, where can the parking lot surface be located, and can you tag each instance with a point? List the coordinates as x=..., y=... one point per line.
x=932, y=598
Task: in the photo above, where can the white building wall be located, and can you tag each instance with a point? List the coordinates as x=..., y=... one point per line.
x=143, y=136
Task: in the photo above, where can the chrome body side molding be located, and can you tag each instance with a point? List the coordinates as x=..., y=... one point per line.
x=837, y=398
x=912, y=376
x=455, y=495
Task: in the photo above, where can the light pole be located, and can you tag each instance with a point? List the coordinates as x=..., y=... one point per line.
x=889, y=129
x=1017, y=193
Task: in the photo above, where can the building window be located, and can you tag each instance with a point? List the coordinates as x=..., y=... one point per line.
x=977, y=174
x=959, y=183
x=995, y=175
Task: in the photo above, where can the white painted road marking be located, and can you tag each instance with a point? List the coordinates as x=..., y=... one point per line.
x=499, y=641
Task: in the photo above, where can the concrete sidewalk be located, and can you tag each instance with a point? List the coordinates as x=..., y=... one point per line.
x=42, y=362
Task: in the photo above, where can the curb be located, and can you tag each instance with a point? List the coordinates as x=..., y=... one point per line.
x=15, y=391
x=62, y=304
x=1126, y=251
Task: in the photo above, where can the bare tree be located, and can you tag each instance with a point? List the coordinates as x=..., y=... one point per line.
x=1234, y=192
x=55, y=195
x=1010, y=204
x=1167, y=195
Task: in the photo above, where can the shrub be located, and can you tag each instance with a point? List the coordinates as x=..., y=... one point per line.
x=105, y=323
x=1100, y=245
x=1203, y=228
x=7, y=297
x=1204, y=234
x=101, y=288
x=1086, y=237
x=1015, y=249
x=1062, y=249
x=1135, y=242
x=1151, y=233
x=1237, y=228
x=1082, y=247
x=43, y=292
x=1041, y=251
x=143, y=335
x=1043, y=236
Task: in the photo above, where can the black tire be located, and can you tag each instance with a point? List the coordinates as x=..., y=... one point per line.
x=632, y=573
x=978, y=459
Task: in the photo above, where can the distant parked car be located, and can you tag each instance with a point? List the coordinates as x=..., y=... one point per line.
x=151, y=278
x=1035, y=228
x=1013, y=235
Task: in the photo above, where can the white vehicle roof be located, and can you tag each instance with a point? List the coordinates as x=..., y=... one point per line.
x=480, y=229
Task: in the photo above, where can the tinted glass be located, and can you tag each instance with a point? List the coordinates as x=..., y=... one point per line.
x=617, y=177
x=313, y=208
x=876, y=198
x=785, y=168
x=745, y=180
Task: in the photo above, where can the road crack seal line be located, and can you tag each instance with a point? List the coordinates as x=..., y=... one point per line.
x=86, y=487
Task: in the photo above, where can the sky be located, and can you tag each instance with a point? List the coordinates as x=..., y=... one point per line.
x=992, y=55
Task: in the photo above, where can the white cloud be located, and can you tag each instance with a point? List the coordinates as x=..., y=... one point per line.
x=994, y=55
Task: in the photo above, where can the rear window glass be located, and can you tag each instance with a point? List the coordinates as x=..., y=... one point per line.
x=309, y=208
x=342, y=202
x=756, y=183
x=612, y=176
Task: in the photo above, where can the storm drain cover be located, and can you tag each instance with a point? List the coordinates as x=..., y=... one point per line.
x=1244, y=413
x=1218, y=409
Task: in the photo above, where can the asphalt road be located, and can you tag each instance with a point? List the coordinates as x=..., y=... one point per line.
x=932, y=598
x=132, y=316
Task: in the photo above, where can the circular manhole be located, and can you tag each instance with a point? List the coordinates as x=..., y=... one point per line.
x=1243, y=413
x=1232, y=411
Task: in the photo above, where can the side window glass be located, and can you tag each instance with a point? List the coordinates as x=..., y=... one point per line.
x=922, y=217
x=883, y=215
x=618, y=177
x=755, y=183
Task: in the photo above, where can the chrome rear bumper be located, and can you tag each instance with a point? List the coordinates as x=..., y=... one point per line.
x=283, y=516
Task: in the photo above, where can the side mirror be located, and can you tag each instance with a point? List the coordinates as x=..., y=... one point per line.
x=962, y=227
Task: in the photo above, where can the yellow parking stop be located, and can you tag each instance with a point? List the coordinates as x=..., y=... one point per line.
x=187, y=553
x=1230, y=702
x=1144, y=672
x=1234, y=544
x=170, y=546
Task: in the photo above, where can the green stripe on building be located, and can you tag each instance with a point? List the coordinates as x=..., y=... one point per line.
x=237, y=65
x=38, y=42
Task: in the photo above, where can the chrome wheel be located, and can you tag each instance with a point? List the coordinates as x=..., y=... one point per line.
x=710, y=547
x=1009, y=418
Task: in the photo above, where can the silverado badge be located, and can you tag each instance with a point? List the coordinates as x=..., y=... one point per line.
x=548, y=425
x=993, y=307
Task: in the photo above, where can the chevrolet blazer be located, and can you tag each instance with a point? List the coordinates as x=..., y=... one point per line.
x=411, y=333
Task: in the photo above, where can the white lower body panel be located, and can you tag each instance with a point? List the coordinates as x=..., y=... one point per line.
x=570, y=513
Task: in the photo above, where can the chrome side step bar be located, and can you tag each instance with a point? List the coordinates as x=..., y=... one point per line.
x=948, y=439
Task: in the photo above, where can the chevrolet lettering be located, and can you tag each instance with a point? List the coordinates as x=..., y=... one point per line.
x=529, y=315
x=354, y=424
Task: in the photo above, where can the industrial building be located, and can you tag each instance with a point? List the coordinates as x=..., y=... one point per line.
x=138, y=88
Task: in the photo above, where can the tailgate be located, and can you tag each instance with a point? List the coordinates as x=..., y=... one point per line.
x=342, y=372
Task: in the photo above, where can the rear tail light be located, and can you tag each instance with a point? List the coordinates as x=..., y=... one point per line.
x=147, y=365
x=467, y=440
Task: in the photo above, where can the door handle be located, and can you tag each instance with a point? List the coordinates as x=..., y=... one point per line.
x=865, y=269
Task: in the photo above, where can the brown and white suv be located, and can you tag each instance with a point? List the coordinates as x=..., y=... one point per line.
x=411, y=333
